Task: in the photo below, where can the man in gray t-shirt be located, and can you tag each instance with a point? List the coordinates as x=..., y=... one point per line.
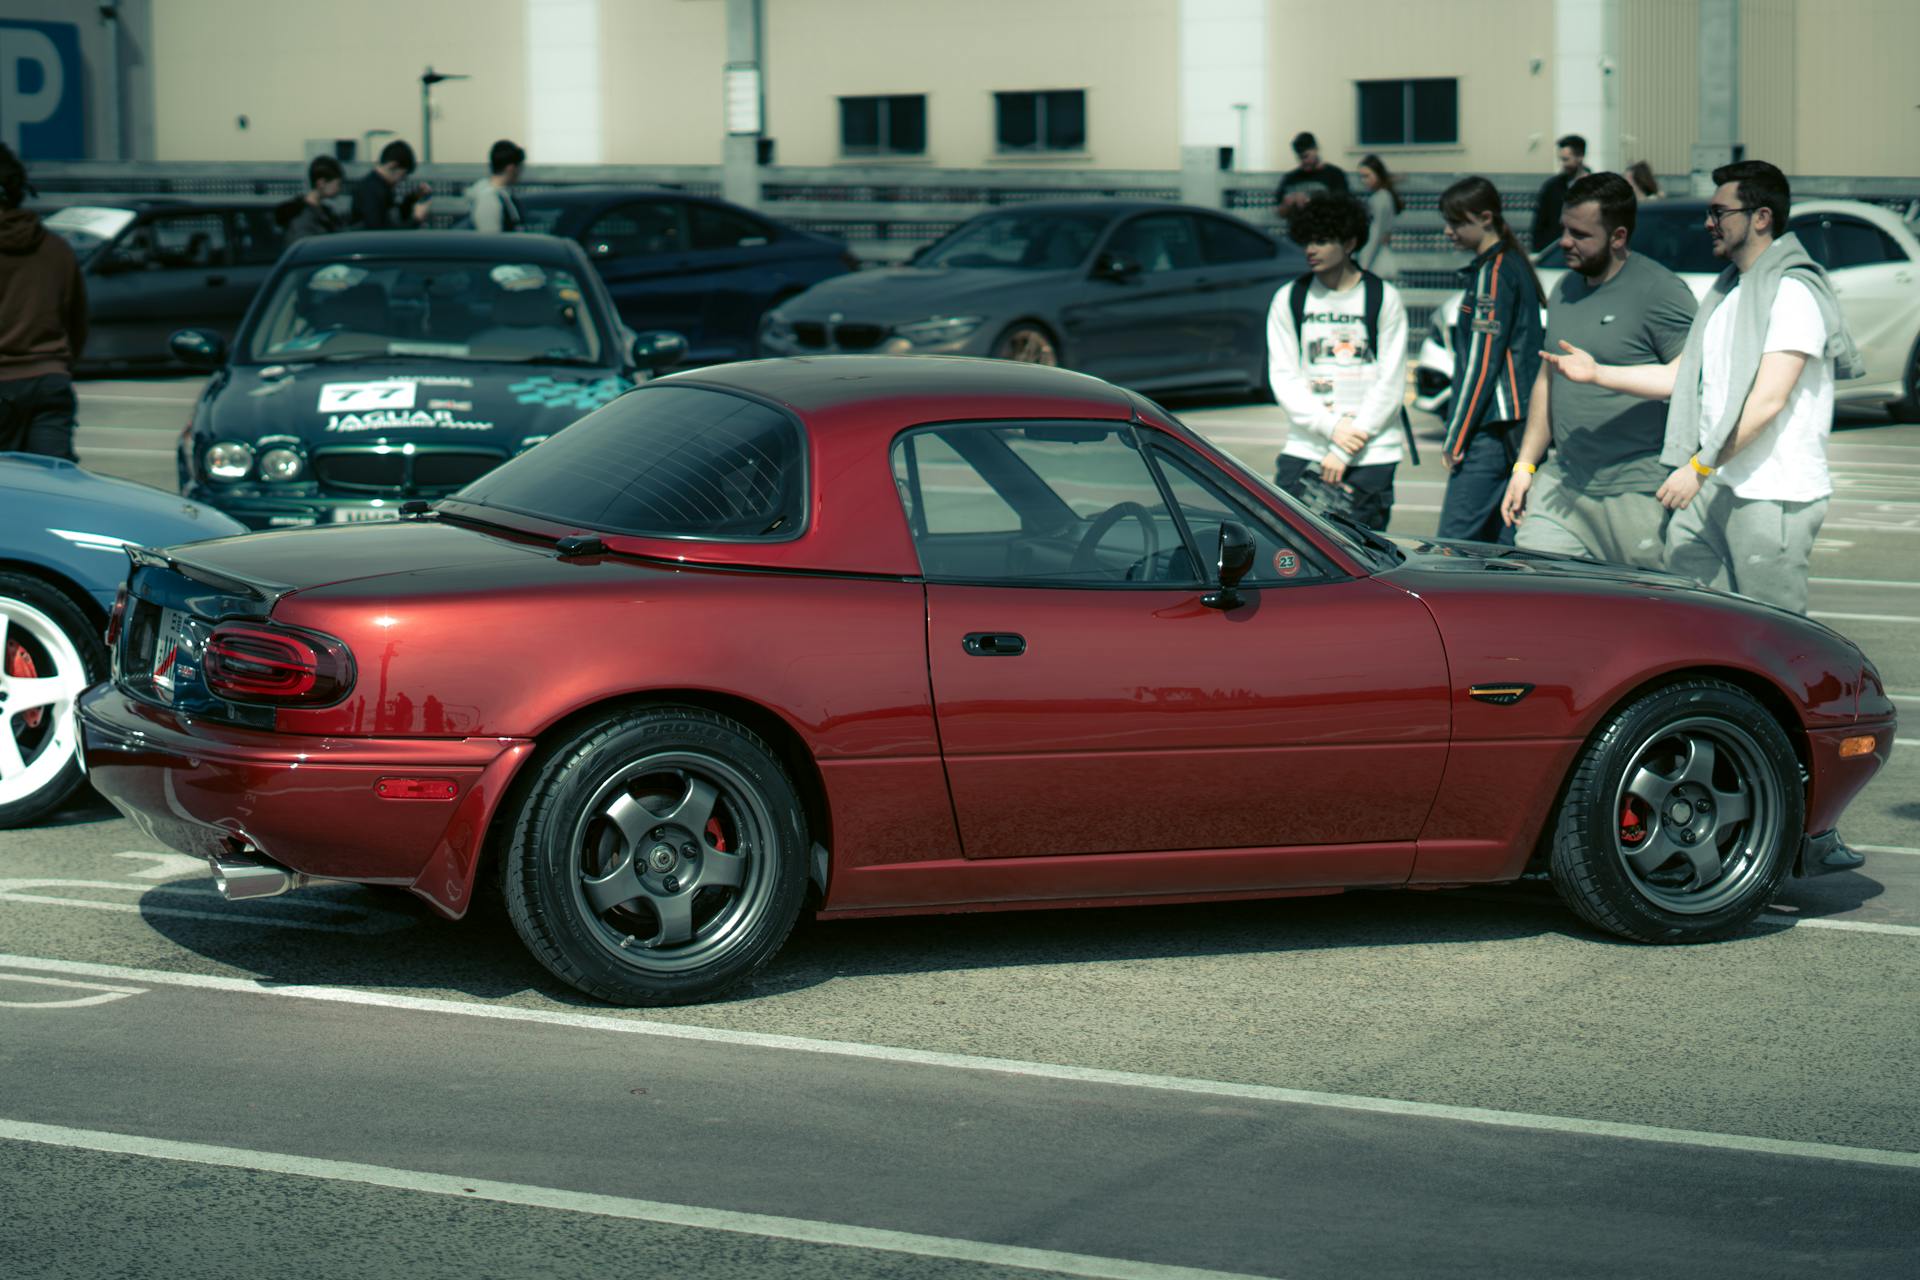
x=1595, y=498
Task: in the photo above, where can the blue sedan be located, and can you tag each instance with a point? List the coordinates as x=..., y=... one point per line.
x=62, y=559
x=703, y=268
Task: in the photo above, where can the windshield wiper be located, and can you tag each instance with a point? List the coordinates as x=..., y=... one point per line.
x=1370, y=537
x=557, y=358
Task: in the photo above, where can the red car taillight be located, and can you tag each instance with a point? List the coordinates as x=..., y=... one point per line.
x=116, y=617
x=276, y=666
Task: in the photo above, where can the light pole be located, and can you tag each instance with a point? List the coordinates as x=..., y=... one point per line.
x=428, y=79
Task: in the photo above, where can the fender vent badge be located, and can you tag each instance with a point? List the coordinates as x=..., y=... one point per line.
x=1500, y=695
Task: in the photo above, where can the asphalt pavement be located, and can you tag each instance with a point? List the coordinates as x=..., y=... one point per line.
x=1395, y=1084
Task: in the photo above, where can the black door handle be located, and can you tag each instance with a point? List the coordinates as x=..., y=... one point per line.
x=215, y=282
x=994, y=644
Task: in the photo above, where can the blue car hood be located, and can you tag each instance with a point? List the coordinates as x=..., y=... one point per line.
x=397, y=401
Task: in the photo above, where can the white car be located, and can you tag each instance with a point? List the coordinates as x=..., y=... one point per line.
x=1871, y=255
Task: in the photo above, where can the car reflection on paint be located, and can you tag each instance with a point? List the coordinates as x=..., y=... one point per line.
x=376, y=368
x=894, y=635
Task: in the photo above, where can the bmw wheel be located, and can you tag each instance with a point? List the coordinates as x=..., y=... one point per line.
x=1908, y=409
x=1027, y=344
x=1681, y=818
x=49, y=653
x=658, y=857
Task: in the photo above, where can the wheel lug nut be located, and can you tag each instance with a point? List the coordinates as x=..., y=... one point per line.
x=673, y=885
x=1686, y=837
x=686, y=850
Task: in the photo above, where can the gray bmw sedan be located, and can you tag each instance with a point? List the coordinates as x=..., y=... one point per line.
x=1157, y=296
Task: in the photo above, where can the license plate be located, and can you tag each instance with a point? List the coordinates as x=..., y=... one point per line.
x=362, y=515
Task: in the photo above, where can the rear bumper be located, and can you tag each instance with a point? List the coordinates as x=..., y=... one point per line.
x=306, y=803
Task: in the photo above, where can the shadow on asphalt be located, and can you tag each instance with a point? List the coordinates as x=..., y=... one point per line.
x=483, y=957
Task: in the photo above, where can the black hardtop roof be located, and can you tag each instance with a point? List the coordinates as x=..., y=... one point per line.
x=483, y=246
x=810, y=384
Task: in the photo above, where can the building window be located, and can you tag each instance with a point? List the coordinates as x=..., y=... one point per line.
x=1400, y=113
x=892, y=126
x=1055, y=120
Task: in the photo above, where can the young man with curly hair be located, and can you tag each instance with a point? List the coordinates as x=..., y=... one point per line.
x=1337, y=359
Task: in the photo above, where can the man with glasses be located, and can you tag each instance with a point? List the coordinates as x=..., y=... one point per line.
x=1752, y=400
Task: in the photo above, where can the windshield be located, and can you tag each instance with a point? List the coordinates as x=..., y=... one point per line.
x=87, y=227
x=1023, y=241
x=437, y=309
x=1676, y=238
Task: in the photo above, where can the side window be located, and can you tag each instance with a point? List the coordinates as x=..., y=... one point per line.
x=637, y=230
x=1280, y=557
x=1047, y=503
x=1853, y=243
x=257, y=238
x=1812, y=234
x=191, y=240
x=1158, y=242
x=717, y=228
x=179, y=241
x=1222, y=241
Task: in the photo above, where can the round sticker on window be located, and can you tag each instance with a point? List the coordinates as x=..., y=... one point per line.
x=1286, y=562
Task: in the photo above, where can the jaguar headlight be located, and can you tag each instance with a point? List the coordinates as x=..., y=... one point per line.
x=938, y=330
x=282, y=464
x=230, y=460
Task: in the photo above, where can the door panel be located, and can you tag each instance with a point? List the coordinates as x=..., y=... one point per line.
x=1154, y=325
x=641, y=250
x=1139, y=720
x=168, y=271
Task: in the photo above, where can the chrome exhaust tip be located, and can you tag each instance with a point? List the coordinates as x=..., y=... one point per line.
x=239, y=879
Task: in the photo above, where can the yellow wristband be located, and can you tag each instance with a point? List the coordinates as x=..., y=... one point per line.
x=1699, y=466
x=1527, y=467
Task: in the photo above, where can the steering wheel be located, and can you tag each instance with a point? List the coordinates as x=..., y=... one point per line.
x=1084, y=560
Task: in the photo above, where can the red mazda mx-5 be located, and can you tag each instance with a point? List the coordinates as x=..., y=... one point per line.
x=910, y=635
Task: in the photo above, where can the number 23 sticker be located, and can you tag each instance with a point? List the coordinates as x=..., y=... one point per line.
x=1286, y=562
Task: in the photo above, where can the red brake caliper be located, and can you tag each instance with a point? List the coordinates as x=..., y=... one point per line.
x=20, y=667
x=1632, y=830
x=715, y=835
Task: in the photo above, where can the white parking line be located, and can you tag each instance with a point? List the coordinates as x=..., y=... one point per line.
x=1881, y=848
x=1906, y=742
x=764, y=1225
x=1862, y=617
x=1848, y=926
x=1004, y=1066
x=1865, y=582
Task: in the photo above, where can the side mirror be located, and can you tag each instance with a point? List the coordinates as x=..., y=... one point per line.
x=918, y=253
x=1234, y=560
x=1115, y=266
x=198, y=348
x=658, y=350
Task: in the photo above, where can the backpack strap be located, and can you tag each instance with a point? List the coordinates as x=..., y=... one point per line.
x=1297, y=303
x=1375, y=300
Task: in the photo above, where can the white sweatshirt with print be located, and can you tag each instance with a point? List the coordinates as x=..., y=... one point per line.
x=1332, y=375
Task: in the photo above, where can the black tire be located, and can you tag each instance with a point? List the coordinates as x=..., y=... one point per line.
x=1681, y=818
x=1027, y=343
x=1907, y=409
x=47, y=636
x=618, y=805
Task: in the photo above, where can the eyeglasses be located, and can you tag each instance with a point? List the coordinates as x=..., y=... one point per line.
x=1716, y=214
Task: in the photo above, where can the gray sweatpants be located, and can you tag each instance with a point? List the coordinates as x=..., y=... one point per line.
x=1619, y=528
x=1754, y=546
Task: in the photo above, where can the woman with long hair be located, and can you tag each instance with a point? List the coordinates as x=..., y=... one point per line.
x=1496, y=356
x=1384, y=204
x=1645, y=185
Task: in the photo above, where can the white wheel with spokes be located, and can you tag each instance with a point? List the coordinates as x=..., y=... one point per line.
x=48, y=656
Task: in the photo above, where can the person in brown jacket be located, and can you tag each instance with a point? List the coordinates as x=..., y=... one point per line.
x=43, y=324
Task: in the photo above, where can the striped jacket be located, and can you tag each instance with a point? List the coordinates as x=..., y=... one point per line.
x=1496, y=346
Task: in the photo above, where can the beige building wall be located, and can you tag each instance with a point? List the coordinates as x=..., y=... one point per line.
x=1857, y=106
x=1659, y=82
x=1124, y=53
x=661, y=66
x=1491, y=46
x=335, y=70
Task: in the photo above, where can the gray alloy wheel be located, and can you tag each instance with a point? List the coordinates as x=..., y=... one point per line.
x=1682, y=816
x=659, y=857
x=1028, y=344
x=49, y=652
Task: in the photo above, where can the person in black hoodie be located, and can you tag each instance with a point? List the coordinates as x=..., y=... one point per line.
x=310, y=214
x=381, y=203
x=43, y=324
